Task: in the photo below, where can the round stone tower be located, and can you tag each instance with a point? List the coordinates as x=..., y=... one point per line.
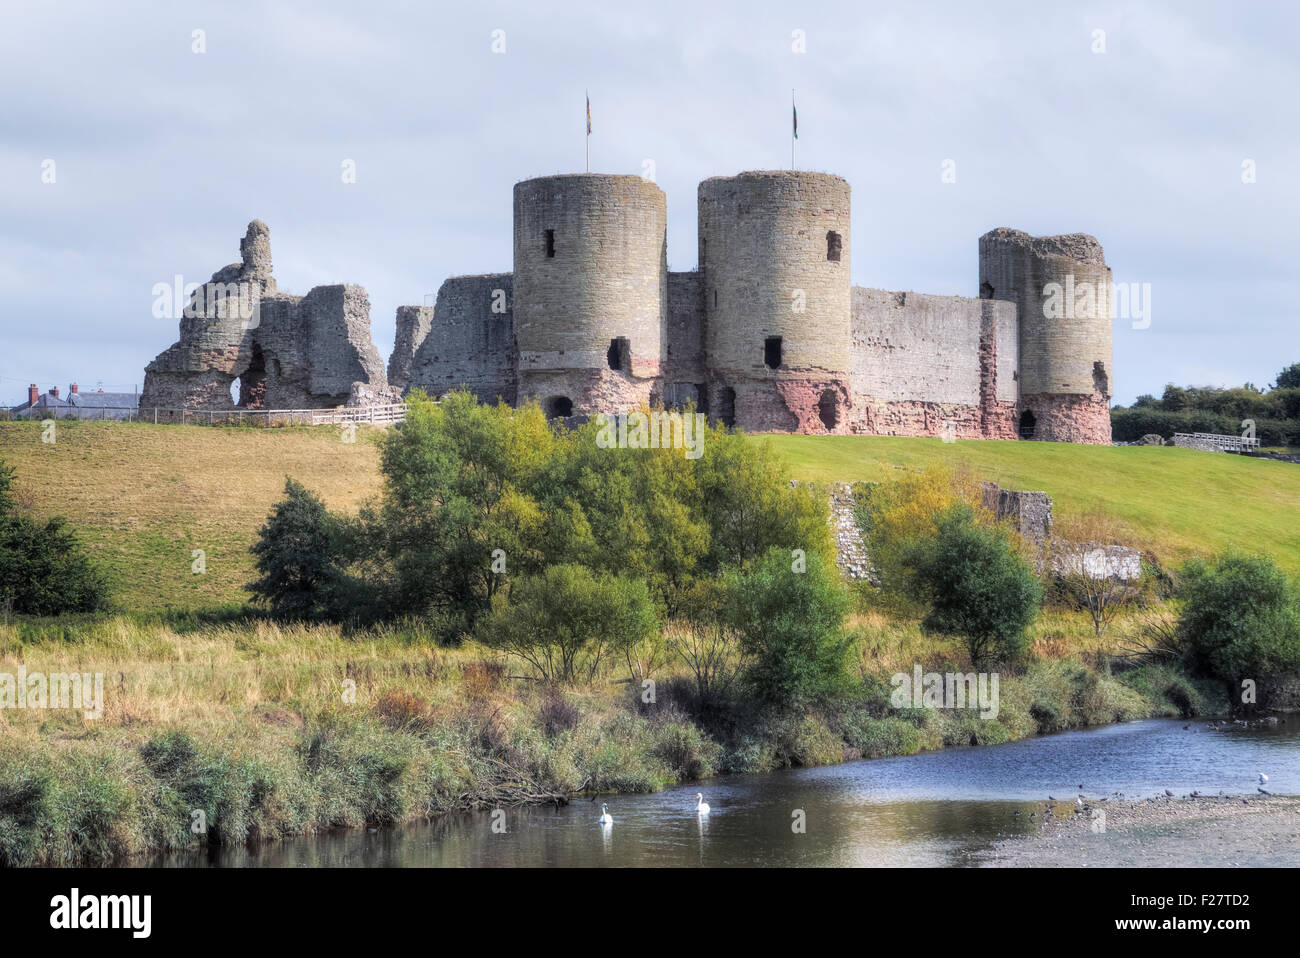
x=774, y=272
x=1061, y=286
x=590, y=292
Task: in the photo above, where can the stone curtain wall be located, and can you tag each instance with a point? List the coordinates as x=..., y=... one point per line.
x=590, y=268
x=464, y=344
x=922, y=362
x=685, y=373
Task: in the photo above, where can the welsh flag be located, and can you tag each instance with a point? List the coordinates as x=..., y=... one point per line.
x=795, y=119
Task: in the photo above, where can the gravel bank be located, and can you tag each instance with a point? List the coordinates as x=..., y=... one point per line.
x=1240, y=831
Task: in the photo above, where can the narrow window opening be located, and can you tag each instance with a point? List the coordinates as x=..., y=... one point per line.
x=833, y=243
x=715, y=299
x=1027, y=424
x=620, y=353
x=986, y=291
x=772, y=352
x=550, y=244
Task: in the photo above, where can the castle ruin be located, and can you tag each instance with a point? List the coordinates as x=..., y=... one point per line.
x=284, y=351
x=767, y=334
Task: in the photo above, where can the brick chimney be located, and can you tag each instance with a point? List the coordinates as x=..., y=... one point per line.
x=54, y=391
x=33, y=394
x=73, y=389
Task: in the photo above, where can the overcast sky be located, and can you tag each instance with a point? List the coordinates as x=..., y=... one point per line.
x=162, y=155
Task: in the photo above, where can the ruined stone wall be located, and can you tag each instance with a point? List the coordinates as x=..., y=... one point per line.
x=775, y=253
x=411, y=326
x=1065, y=361
x=590, y=269
x=292, y=352
x=928, y=365
x=468, y=339
x=1029, y=512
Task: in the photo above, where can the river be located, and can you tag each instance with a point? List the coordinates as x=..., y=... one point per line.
x=938, y=808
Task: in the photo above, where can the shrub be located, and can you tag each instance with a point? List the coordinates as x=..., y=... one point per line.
x=686, y=751
x=1240, y=618
x=976, y=584
x=565, y=621
x=557, y=714
x=893, y=515
x=789, y=626
x=880, y=737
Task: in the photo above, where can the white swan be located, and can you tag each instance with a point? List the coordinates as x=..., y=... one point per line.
x=605, y=817
x=701, y=806
x=1262, y=778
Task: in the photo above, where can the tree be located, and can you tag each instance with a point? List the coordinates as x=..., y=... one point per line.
x=1289, y=378
x=1240, y=618
x=565, y=621
x=458, y=511
x=298, y=557
x=790, y=628
x=976, y=584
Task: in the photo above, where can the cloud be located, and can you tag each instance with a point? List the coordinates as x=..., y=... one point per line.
x=163, y=155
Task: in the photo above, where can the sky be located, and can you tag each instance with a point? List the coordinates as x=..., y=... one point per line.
x=1144, y=135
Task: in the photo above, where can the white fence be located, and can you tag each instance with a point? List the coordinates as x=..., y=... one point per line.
x=1213, y=442
x=380, y=415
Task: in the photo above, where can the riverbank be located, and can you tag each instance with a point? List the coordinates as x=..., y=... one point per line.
x=251, y=731
x=1227, y=832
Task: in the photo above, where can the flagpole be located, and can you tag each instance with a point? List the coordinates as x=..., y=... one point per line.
x=793, y=129
x=588, y=92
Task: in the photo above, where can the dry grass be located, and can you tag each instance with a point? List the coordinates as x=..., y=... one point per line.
x=144, y=497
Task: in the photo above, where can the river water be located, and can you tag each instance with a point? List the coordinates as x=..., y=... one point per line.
x=938, y=808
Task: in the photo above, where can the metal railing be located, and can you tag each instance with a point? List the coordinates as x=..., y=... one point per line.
x=385, y=414
x=1213, y=442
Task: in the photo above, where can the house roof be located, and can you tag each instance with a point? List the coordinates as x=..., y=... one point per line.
x=43, y=401
x=100, y=400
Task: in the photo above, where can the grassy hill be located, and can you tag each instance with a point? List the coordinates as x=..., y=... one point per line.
x=145, y=496
x=1180, y=502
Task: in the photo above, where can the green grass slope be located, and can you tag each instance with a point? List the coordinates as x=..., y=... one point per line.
x=1181, y=502
x=144, y=497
